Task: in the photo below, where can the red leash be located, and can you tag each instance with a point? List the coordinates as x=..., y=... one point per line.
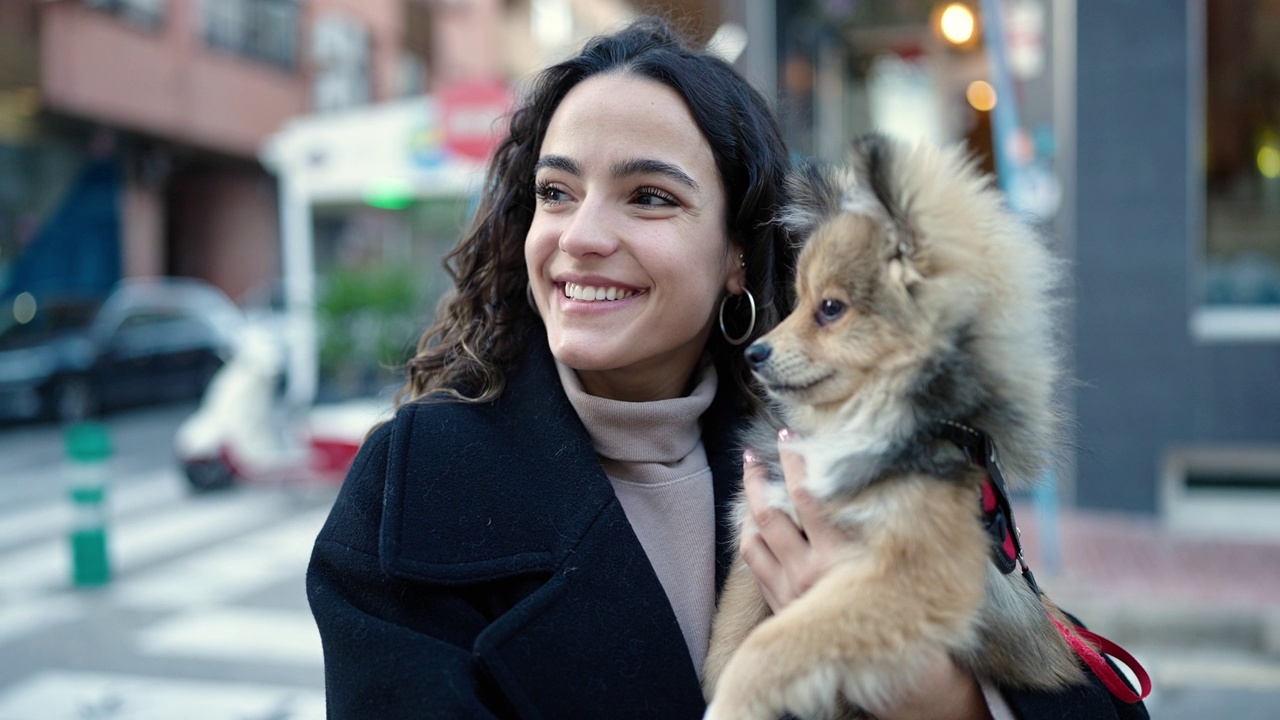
x=997, y=518
x=1093, y=658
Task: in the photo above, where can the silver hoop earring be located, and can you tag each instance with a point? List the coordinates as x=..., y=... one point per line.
x=750, y=327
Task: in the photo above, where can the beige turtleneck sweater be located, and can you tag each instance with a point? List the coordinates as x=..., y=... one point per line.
x=652, y=453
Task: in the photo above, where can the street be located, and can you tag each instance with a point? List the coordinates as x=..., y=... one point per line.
x=205, y=617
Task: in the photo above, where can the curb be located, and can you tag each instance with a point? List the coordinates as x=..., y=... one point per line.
x=1186, y=627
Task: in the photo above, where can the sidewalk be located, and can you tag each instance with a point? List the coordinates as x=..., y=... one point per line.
x=1140, y=583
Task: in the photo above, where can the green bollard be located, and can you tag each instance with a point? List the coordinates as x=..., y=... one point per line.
x=88, y=453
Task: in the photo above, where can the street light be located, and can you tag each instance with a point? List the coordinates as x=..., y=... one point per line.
x=957, y=24
x=981, y=95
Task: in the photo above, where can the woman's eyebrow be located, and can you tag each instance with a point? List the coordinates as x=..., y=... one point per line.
x=647, y=166
x=558, y=162
x=621, y=169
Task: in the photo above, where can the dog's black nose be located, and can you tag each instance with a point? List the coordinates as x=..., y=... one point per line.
x=757, y=353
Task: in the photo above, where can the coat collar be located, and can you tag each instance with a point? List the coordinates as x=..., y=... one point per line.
x=478, y=491
x=501, y=488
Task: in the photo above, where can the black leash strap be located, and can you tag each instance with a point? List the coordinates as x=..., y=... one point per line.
x=997, y=516
x=997, y=511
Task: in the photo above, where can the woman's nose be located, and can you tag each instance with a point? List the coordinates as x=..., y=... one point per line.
x=590, y=231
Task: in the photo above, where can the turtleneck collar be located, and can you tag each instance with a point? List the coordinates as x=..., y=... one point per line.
x=661, y=431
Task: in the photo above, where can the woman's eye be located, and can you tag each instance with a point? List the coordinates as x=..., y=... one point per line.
x=653, y=197
x=549, y=194
x=829, y=310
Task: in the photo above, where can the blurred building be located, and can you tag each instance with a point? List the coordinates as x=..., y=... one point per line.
x=1177, y=227
x=1145, y=138
x=1147, y=141
x=132, y=136
x=162, y=105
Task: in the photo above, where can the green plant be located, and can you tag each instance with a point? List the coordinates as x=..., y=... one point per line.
x=366, y=317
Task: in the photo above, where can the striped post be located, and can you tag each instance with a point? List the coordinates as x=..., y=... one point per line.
x=87, y=467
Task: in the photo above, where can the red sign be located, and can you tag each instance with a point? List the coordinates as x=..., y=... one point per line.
x=474, y=117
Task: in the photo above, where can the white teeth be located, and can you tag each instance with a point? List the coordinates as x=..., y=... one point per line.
x=588, y=293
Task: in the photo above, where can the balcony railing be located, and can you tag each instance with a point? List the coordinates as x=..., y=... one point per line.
x=149, y=14
x=265, y=30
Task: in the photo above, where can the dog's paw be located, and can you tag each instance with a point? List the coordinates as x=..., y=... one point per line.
x=765, y=695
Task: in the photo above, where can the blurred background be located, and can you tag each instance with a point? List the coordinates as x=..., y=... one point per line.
x=221, y=228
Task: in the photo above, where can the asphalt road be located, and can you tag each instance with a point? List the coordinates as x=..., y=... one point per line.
x=205, y=617
x=31, y=455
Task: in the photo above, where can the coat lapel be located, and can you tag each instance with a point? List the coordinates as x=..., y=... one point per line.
x=491, y=490
x=481, y=492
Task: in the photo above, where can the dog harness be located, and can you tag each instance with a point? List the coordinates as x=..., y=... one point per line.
x=1006, y=541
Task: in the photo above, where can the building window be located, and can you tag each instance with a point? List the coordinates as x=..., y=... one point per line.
x=265, y=30
x=146, y=13
x=1239, y=279
x=341, y=54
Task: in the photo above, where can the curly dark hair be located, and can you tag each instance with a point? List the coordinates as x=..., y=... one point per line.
x=485, y=323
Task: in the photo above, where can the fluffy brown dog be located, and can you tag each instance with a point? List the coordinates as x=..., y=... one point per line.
x=921, y=304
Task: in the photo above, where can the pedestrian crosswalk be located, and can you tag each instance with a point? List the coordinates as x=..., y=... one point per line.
x=266, y=635
x=21, y=616
x=226, y=571
x=27, y=523
x=70, y=694
x=207, y=597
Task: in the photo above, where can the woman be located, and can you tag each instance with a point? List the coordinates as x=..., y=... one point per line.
x=540, y=530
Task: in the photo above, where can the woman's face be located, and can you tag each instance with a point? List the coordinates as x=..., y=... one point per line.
x=628, y=255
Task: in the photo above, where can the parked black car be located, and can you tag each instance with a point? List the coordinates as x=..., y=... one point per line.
x=150, y=341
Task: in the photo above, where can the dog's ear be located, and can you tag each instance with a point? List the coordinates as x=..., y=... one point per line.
x=874, y=157
x=813, y=192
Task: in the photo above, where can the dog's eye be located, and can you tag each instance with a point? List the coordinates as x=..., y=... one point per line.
x=829, y=310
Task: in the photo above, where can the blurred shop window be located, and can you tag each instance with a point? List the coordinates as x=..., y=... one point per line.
x=265, y=30
x=146, y=13
x=1241, y=261
x=340, y=50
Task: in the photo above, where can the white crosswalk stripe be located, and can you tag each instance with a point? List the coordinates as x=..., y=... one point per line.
x=214, y=578
x=62, y=695
x=142, y=539
x=159, y=488
x=21, y=617
x=277, y=636
x=228, y=571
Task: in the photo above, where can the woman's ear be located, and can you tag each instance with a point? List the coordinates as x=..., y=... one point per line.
x=736, y=281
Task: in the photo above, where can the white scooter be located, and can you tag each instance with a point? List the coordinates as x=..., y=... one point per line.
x=240, y=433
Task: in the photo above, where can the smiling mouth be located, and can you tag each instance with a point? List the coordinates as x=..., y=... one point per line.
x=590, y=293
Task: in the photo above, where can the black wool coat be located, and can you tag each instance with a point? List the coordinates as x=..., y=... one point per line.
x=477, y=564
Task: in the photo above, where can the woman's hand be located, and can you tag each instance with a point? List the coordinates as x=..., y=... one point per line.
x=788, y=559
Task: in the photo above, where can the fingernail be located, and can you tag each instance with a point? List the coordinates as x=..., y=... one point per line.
x=785, y=435
x=749, y=457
